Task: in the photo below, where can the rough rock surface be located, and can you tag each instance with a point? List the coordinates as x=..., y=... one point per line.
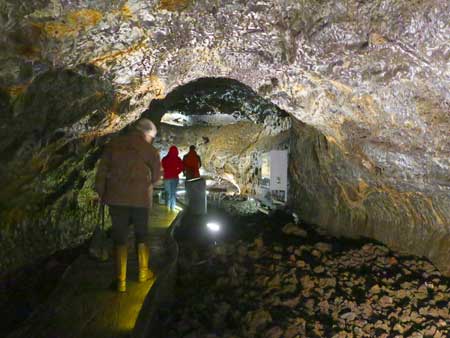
x=272, y=284
x=370, y=79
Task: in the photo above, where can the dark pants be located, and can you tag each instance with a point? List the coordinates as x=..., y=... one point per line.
x=122, y=217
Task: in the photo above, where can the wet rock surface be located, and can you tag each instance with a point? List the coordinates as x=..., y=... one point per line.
x=286, y=280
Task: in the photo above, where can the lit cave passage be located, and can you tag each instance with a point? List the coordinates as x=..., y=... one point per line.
x=357, y=94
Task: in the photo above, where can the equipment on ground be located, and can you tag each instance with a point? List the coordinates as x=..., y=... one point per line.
x=196, y=196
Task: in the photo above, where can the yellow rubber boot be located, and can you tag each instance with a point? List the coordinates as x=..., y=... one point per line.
x=121, y=267
x=143, y=253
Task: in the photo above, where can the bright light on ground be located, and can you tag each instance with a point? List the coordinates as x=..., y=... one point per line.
x=213, y=226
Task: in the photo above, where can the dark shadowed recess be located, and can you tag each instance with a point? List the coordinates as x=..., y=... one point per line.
x=207, y=95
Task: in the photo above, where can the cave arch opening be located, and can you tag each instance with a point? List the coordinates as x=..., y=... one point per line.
x=230, y=125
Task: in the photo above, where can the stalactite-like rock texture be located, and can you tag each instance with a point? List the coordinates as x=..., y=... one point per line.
x=366, y=83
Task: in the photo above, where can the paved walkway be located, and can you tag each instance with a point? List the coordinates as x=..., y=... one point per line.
x=84, y=306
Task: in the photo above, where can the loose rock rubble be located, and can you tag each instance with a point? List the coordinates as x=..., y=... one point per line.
x=275, y=285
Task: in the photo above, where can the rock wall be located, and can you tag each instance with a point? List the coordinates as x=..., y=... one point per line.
x=347, y=199
x=371, y=77
x=49, y=145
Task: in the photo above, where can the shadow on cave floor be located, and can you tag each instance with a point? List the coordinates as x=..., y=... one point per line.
x=23, y=290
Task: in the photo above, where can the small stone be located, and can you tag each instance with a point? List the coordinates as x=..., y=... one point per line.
x=293, y=229
x=274, y=332
x=301, y=264
x=429, y=331
x=316, y=253
x=323, y=247
x=349, y=316
x=399, y=328
x=438, y=334
x=392, y=261
x=442, y=323
x=386, y=301
x=256, y=320
x=324, y=307
x=375, y=289
x=292, y=303
x=319, y=269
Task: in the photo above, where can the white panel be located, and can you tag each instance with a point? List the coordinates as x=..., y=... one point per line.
x=278, y=169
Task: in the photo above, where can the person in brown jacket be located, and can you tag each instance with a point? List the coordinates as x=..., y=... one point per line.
x=128, y=169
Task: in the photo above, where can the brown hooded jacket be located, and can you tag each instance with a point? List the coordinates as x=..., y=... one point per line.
x=127, y=171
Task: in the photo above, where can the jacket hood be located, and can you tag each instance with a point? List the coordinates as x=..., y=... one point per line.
x=173, y=151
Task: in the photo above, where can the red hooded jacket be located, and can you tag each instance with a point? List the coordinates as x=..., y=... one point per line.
x=172, y=164
x=192, y=163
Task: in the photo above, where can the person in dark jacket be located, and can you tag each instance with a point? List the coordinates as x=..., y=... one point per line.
x=172, y=166
x=192, y=164
x=127, y=171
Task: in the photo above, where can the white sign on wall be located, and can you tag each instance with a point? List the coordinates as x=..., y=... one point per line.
x=274, y=171
x=278, y=169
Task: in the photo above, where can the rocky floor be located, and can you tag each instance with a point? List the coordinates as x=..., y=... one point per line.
x=286, y=280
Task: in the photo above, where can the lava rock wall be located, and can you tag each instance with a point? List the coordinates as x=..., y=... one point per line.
x=347, y=199
x=371, y=77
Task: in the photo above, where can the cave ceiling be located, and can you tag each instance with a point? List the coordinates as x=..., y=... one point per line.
x=373, y=76
x=366, y=83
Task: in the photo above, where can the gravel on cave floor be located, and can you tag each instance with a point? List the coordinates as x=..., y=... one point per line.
x=274, y=278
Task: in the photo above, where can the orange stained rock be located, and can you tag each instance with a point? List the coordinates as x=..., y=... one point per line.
x=126, y=12
x=84, y=18
x=56, y=30
x=29, y=51
x=73, y=23
x=103, y=59
x=174, y=5
x=362, y=186
x=154, y=85
x=16, y=90
x=368, y=102
x=376, y=39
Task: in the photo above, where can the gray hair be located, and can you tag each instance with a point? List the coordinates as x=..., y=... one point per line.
x=146, y=126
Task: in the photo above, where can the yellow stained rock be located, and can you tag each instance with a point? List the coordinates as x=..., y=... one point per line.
x=174, y=5
x=16, y=90
x=56, y=30
x=84, y=18
x=126, y=12
x=73, y=23
x=376, y=39
x=115, y=55
x=154, y=85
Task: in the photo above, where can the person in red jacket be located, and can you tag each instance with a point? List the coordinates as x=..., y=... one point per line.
x=192, y=164
x=172, y=166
